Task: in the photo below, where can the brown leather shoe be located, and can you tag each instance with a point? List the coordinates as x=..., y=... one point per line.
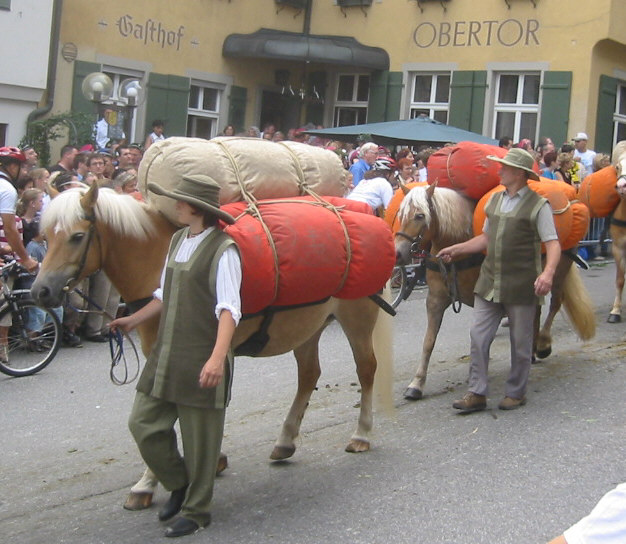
x=509, y=403
x=471, y=402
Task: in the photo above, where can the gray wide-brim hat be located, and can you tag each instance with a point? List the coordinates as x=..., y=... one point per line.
x=198, y=190
x=518, y=158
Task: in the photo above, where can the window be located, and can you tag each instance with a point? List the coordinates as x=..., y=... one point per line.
x=353, y=92
x=5, y=4
x=126, y=125
x=619, y=117
x=203, y=113
x=430, y=96
x=516, y=108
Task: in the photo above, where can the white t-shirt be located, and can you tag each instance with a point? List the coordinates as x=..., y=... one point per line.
x=8, y=195
x=606, y=524
x=228, y=279
x=376, y=192
x=586, y=159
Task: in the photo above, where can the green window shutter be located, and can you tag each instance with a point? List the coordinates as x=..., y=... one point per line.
x=377, y=105
x=394, y=96
x=237, y=108
x=315, y=110
x=555, y=103
x=467, y=99
x=168, y=99
x=79, y=102
x=604, y=118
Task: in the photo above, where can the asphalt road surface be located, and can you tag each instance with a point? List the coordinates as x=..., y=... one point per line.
x=432, y=475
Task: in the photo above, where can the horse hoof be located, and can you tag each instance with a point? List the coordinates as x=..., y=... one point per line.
x=357, y=446
x=413, y=394
x=282, y=452
x=222, y=463
x=543, y=353
x=614, y=318
x=138, y=501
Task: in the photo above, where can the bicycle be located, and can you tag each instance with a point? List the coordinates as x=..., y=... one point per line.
x=405, y=278
x=34, y=335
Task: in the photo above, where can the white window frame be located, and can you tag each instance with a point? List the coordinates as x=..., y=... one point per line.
x=353, y=103
x=214, y=115
x=518, y=107
x=619, y=118
x=432, y=105
x=117, y=75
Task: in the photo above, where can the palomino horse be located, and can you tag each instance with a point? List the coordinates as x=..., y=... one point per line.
x=99, y=229
x=618, y=230
x=443, y=217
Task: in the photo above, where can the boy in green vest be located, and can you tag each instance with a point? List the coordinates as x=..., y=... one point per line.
x=511, y=280
x=188, y=374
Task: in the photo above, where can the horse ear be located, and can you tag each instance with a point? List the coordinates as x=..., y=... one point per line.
x=88, y=200
x=431, y=188
x=404, y=188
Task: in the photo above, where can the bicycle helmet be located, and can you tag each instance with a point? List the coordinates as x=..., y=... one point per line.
x=11, y=154
x=385, y=163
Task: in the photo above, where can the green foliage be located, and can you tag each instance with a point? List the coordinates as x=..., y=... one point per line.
x=77, y=127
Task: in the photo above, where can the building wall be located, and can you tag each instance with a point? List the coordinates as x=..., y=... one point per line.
x=24, y=41
x=579, y=40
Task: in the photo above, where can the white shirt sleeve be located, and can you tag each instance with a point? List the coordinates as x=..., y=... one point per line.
x=228, y=280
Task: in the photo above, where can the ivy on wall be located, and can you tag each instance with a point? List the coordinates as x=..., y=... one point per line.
x=76, y=126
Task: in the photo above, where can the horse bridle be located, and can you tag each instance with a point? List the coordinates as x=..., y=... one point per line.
x=91, y=233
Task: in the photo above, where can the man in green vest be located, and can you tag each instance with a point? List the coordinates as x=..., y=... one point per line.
x=512, y=280
x=188, y=374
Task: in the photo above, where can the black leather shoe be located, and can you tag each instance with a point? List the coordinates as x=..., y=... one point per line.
x=173, y=504
x=183, y=527
x=100, y=338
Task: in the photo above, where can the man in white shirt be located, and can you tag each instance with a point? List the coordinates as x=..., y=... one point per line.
x=582, y=154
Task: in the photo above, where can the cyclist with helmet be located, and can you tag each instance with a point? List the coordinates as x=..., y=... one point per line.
x=11, y=160
x=376, y=188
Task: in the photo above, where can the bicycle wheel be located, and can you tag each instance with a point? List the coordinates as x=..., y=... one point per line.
x=34, y=338
x=398, y=283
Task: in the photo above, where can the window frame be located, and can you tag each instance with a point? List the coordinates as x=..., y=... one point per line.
x=518, y=107
x=353, y=105
x=195, y=113
x=619, y=119
x=117, y=75
x=432, y=105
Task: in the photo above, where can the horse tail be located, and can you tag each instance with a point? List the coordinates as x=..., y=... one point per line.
x=383, y=350
x=578, y=305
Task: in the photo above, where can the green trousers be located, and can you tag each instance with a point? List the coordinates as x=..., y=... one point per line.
x=152, y=426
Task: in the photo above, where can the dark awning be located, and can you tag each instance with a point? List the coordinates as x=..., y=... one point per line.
x=277, y=44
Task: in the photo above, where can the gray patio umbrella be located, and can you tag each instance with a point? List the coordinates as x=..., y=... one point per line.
x=410, y=131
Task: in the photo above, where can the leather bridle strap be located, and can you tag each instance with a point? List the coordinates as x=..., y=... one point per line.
x=91, y=233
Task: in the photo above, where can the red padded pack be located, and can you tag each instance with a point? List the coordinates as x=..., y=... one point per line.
x=303, y=252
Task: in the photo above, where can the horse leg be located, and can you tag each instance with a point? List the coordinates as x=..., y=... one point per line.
x=307, y=357
x=435, y=306
x=140, y=496
x=615, y=316
x=359, y=328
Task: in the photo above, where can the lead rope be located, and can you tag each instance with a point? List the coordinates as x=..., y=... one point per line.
x=116, y=345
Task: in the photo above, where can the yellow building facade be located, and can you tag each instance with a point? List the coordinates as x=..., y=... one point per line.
x=517, y=68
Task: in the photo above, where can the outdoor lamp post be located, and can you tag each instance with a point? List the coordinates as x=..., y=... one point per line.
x=97, y=87
x=131, y=94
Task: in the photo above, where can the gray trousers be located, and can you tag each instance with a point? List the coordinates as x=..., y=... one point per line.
x=486, y=320
x=102, y=292
x=152, y=426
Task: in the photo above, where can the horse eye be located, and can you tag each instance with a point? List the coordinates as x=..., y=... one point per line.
x=419, y=216
x=77, y=237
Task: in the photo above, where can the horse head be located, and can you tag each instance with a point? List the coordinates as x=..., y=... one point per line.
x=416, y=215
x=75, y=246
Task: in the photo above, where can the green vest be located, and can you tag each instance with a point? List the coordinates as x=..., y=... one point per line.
x=188, y=328
x=513, y=259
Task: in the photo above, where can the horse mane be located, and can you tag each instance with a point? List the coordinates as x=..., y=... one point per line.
x=454, y=211
x=122, y=213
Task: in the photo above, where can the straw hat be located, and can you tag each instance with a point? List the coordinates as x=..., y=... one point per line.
x=197, y=190
x=518, y=158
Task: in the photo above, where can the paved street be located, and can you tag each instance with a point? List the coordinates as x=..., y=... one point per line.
x=432, y=476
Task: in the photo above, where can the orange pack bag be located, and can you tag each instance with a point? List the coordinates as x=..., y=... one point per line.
x=598, y=192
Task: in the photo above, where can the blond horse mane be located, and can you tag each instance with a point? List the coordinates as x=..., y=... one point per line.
x=454, y=211
x=122, y=213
